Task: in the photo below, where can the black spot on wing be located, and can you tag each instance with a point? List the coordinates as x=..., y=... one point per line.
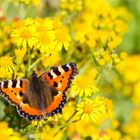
x=56, y=71
x=53, y=91
x=5, y=85
x=49, y=74
x=14, y=83
x=65, y=68
x=55, y=84
x=20, y=93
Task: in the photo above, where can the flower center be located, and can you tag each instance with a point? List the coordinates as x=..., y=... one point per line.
x=88, y=108
x=81, y=82
x=26, y=34
x=61, y=36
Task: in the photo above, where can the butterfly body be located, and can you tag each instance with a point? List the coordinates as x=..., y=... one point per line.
x=40, y=94
x=43, y=95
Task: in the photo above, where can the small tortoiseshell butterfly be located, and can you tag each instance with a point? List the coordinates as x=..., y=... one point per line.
x=43, y=95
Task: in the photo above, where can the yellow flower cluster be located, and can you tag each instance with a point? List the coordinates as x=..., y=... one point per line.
x=71, y=5
x=8, y=133
x=29, y=2
x=87, y=33
x=128, y=69
x=98, y=29
x=126, y=82
x=99, y=25
x=5, y=41
x=46, y=35
x=130, y=74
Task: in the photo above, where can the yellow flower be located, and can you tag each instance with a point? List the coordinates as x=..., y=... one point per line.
x=136, y=93
x=71, y=5
x=132, y=128
x=114, y=42
x=123, y=55
x=129, y=69
x=20, y=53
x=101, y=62
x=114, y=134
x=91, y=38
x=6, y=61
x=84, y=85
x=91, y=109
x=3, y=73
x=6, y=64
x=80, y=34
x=62, y=38
x=24, y=35
x=115, y=123
x=45, y=41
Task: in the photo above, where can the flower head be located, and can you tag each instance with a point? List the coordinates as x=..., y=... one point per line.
x=6, y=64
x=45, y=41
x=6, y=61
x=84, y=85
x=24, y=35
x=91, y=109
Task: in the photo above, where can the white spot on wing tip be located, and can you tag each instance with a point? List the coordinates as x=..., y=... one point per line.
x=68, y=66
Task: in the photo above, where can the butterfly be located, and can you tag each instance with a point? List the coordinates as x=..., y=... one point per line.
x=41, y=96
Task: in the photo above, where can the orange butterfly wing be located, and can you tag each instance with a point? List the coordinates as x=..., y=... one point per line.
x=59, y=78
x=13, y=90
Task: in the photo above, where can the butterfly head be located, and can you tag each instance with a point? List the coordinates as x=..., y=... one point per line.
x=34, y=75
